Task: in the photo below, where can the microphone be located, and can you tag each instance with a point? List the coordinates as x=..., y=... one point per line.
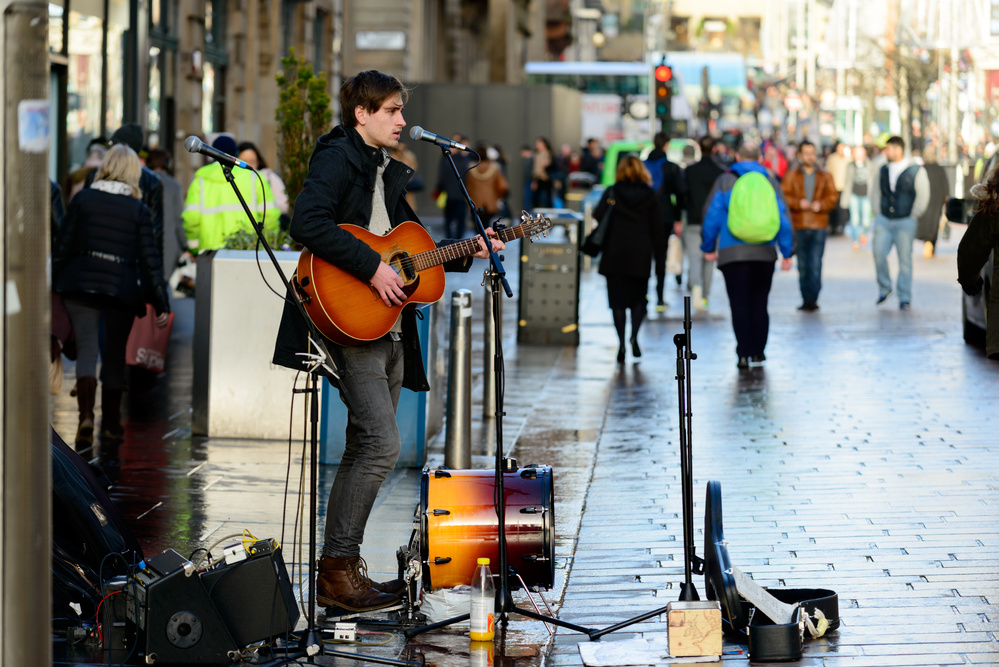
x=419, y=134
x=195, y=145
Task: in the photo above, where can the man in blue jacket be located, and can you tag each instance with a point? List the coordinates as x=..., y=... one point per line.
x=748, y=267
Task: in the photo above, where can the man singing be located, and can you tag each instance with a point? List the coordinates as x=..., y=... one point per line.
x=352, y=180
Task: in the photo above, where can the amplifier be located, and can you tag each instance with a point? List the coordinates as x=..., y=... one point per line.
x=254, y=596
x=186, y=617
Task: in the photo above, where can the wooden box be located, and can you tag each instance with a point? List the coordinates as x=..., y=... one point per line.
x=694, y=628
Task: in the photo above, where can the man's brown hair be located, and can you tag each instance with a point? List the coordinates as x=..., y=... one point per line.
x=369, y=90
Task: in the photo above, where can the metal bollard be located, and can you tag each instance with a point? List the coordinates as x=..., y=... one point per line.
x=489, y=351
x=458, y=434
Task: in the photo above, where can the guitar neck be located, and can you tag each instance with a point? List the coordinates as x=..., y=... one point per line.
x=464, y=248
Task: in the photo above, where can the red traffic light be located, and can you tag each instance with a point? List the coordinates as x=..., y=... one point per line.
x=664, y=73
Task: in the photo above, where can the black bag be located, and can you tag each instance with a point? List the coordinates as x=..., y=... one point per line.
x=594, y=242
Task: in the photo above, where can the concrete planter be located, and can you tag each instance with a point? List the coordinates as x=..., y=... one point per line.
x=237, y=391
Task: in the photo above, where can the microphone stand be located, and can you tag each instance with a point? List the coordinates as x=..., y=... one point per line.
x=311, y=643
x=504, y=604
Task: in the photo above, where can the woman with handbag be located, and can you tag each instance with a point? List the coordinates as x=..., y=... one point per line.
x=106, y=264
x=634, y=234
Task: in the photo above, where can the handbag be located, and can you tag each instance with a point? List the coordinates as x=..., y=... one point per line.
x=594, y=242
x=147, y=343
x=674, y=255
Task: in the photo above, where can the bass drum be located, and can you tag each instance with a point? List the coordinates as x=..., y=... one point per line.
x=458, y=525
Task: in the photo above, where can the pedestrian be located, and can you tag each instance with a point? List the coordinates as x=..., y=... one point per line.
x=250, y=154
x=449, y=184
x=774, y=160
x=670, y=185
x=526, y=170
x=836, y=165
x=174, y=237
x=408, y=158
x=353, y=180
x=635, y=237
x=810, y=194
x=979, y=242
x=132, y=135
x=902, y=195
x=542, y=168
x=486, y=184
x=212, y=210
x=928, y=225
x=700, y=179
x=106, y=265
x=592, y=158
x=856, y=197
x=77, y=179
x=748, y=267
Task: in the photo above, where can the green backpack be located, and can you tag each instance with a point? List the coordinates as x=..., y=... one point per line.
x=753, y=216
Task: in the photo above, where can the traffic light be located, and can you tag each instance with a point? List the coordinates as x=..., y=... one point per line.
x=663, y=75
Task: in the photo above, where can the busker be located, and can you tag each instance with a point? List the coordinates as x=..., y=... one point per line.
x=353, y=180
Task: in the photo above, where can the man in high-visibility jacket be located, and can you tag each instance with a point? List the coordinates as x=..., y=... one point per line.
x=212, y=211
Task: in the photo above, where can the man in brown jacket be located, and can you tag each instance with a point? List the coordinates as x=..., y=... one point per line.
x=811, y=194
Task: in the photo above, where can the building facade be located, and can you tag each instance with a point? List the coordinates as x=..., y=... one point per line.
x=199, y=67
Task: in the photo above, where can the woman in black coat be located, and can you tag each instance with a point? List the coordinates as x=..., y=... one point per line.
x=636, y=234
x=979, y=241
x=106, y=264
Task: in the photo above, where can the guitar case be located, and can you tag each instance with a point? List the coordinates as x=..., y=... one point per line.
x=741, y=621
x=86, y=530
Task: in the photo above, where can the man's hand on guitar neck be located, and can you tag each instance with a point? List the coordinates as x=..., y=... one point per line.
x=498, y=245
x=388, y=284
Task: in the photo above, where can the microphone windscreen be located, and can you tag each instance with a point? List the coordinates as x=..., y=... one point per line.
x=192, y=144
x=416, y=133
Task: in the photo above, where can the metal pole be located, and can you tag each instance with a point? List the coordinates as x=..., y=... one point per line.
x=489, y=352
x=26, y=479
x=458, y=434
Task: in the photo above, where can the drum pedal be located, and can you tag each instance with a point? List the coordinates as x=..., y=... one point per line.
x=336, y=614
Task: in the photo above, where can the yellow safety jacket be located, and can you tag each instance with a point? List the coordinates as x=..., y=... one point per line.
x=212, y=211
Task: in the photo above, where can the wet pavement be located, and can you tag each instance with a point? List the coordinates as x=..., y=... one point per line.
x=860, y=457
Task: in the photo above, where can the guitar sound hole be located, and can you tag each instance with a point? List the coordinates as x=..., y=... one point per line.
x=404, y=267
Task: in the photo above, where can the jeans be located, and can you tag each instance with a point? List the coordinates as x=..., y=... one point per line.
x=699, y=270
x=900, y=232
x=810, y=244
x=748, y=287
x=860, y=216
x=372, y=373
x=455, y=214
x=86, y=325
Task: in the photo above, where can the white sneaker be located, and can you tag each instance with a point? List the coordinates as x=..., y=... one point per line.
x=696, y=296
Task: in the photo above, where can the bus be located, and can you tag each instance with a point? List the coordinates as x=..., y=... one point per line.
x=616, y=95
x=615, y=102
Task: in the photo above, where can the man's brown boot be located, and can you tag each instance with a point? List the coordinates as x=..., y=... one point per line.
x=394, y=587
x=341, y=584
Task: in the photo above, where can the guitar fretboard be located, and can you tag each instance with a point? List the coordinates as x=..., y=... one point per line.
x=463, y=248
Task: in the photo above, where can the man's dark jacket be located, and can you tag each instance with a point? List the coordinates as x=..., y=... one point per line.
x=338, y=189
x=701, y=179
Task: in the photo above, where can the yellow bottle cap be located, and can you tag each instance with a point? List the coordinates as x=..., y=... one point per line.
x=483, y=561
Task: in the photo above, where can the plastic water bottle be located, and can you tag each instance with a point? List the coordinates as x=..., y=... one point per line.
x=481, y=627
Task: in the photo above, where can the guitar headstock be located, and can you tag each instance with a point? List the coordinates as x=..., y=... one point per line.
x=534, y=225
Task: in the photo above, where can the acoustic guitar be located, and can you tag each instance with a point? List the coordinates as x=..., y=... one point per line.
x=349, y=312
